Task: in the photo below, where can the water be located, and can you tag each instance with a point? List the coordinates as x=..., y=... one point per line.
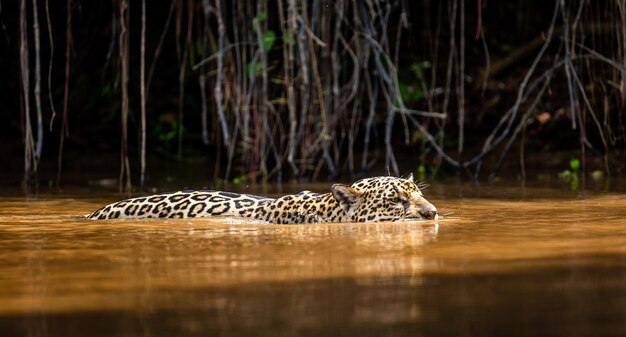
x=508, y=261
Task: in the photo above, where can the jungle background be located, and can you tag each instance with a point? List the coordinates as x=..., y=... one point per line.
x=120, y=91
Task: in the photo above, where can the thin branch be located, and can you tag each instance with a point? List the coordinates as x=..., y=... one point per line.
x=51, y=41
x=29, y=166
x=142, y=85
x=157, y=50
x=123, y=55
x=220, y=69
x=202, y=78
x=461, y=80
x=66, y=88
x=37, y=89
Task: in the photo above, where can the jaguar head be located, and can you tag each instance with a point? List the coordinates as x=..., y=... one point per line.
x=384, y=199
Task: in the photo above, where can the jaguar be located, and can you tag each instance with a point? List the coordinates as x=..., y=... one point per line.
x=368, y=200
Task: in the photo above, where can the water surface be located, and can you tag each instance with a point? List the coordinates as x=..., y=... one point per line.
x=504, y=261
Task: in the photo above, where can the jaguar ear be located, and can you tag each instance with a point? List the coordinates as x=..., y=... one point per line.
x=345, y=195
x=410, y=178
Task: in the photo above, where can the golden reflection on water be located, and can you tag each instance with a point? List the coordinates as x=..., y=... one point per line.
x=54, y=261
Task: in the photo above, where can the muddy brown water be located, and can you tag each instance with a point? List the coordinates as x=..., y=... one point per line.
x=505, y=261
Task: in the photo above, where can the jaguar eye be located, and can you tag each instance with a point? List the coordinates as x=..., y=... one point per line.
x=404, y=201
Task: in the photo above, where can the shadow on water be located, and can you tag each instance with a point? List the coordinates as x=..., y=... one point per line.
x=507, y=261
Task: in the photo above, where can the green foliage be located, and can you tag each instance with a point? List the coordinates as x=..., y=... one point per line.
x=166, y=131
x=267, y=37
x=418, y=68
x=565, y=175
x=572, y=175
x=421, y=173
x=289, y=37
x=410, y=93
x=236, y=181
x=253, y=68
x=574, y=164
x=410, y=86
x=260, y=18
x=268, y=40
x=240, y=180
x=417, y=136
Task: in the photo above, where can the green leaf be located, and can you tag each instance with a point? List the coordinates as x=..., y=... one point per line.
x=257, y=20
x=410, y=93
x=240, y=180
x=421, y=173
x=418, y=68
x=268, y=40
x=418, y=95
x=288, y=38
x=574, y=164
x=565, y=175
x=253, y=68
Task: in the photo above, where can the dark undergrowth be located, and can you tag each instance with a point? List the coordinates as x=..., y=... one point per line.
x=297, y=89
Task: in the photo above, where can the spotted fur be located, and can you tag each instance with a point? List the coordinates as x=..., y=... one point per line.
x=367, y=200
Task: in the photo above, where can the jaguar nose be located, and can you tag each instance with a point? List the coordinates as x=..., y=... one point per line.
x=426, y=210
x=430, y=215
